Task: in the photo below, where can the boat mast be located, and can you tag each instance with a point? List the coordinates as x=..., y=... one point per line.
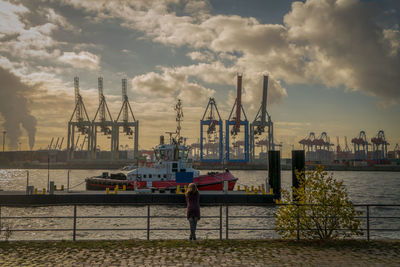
x=179, y=118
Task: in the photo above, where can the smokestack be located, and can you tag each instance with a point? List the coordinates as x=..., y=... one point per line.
x=14, y=108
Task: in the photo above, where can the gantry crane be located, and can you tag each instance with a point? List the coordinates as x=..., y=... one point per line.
x=262, y=120
x=360, y=146
x=212, y=120
x=81, y=125
x=128, y=123
x=379, y=146
x=102, y=122
x=236, y=122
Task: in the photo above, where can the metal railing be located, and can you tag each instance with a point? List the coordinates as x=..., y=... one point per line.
x=227, y=217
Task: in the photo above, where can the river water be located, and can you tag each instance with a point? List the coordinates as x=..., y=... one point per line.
x=362, y=187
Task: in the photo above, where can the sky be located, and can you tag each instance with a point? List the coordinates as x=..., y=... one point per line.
x=333, y=65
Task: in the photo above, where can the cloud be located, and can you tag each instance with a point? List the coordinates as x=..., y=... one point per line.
x=344, y=46
x=83, y=59
x=169, y=84
x=332, y=42
x=204, y=56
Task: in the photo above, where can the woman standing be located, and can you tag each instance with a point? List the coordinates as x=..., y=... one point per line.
x=193, y=209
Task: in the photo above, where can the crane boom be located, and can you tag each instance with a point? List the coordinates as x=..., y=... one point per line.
x=238, y=101
x=264, y=100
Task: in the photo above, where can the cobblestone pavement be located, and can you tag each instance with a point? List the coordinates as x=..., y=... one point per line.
x=203, y=253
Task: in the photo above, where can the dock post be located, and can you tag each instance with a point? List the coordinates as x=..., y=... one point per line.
x=298, y=163
x=274, y=172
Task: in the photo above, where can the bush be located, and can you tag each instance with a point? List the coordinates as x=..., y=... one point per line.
x=321, y=210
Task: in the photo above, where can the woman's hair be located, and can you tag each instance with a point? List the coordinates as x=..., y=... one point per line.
x=192, y=189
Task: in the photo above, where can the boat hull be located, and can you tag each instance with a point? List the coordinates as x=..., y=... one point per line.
x=208, y=182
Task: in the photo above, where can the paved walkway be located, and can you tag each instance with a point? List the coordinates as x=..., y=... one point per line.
x=204, y=253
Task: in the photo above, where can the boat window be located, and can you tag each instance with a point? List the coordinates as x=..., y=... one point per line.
x=144, y=175
x=150, y=176
x=159, y=176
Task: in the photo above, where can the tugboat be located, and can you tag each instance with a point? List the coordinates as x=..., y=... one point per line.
x=172, y=168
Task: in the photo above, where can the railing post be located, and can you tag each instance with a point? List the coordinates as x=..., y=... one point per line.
x=368, y=222
x=298, y=222
x=148, y=222
x=227, y=222
x=74, y=228
x=220, y=222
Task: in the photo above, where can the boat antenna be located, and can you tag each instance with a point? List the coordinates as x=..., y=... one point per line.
x=179, y=117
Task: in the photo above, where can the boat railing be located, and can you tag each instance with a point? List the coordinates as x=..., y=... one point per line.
x=371, y=218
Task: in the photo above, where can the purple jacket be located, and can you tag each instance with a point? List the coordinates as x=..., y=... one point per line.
x=193, y=205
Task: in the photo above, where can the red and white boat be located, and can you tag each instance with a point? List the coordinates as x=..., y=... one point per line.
x=172, y=168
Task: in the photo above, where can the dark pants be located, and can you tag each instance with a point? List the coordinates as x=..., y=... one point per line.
x=193, y=225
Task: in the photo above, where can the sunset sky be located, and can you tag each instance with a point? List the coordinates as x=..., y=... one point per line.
x=333, y=65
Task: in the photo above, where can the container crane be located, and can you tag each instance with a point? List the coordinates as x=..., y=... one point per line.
x=236, y=122
x=379, y=146
x=262, y=120
x=79, y=122
x=360, y=146
x=105, y=123
x=128, y=123
x=212, y=120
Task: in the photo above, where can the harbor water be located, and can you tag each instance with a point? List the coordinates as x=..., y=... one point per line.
x=362, y=187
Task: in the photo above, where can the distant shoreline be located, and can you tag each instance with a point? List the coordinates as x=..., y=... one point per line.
x=249, y=167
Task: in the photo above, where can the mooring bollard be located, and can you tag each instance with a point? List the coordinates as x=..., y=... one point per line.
x=124, y=187
x=62, y=187
x=35, y=191
x=116, y=189
x=107, y=191
x=298, y=164
x=44, y=191
x=274, y=171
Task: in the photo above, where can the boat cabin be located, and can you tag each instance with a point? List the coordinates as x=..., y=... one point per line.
x=172, y=163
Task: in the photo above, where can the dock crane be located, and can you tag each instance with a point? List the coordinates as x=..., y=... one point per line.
x=236, y=122
x=103, y=125
x=379, y=146
x=360, y=146
x=79, y=122
x=128, y=123
x=262, y=120
x=212, y=120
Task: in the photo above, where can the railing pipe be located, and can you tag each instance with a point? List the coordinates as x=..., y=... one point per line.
x=368, y=222
x=227, y=222
x=220, y=222
x=74, y=226
x=148, y=222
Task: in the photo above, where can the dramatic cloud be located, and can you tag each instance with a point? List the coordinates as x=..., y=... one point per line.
x=14, y=108
x=83, y=59
x=344, y=45
x=170, y=83
x=333, y=42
